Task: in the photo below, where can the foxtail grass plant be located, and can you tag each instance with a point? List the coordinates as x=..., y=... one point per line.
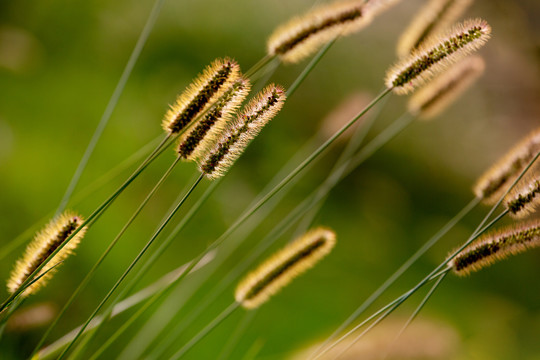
x=304, y=35
x=496, y=246
x=434, y=17
x=45, y=243
x=277, y=272
x=523, y=199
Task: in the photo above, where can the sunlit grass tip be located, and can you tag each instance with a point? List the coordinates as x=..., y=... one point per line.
x=303, y=35
x=433, y=18
x=438, y=94
x=192, y=143
x=239, y=133
x=44, y=244
x=496, y=246
x=201, y=93
x=436, y=54
x=524, y=198
x=279, y=270
x=491, y=184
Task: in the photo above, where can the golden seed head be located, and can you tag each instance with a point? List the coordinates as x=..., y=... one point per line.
x=524, y=198
x=494, y=182
x=496, y=246
x=432, y=19
x=436, y=54
x=45, y=243
x=193, y=143
x=279, y=270
x=438, y=94
x=201, y=93
x=235, y=138
x=303, y=35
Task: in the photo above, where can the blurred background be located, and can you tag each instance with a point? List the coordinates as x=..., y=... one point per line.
x=59, y=64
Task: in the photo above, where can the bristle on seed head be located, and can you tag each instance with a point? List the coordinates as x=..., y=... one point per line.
x=496, y=246
x=303, y=35
x=494, y=182
x=438, y=94
x=44, y=244
x=524, y=198
x=201, y=93
x=279, y=270
x=238, y=134
x=193, y=143
x=432, y=19
x=436, y=54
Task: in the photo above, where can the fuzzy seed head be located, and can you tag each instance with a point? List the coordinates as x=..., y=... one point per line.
x=494, y=182
x=279, y=270
x=201, y=93
x=524, y=198
x=432, y=19
x=438, y=94
x=239, y=133
x=436, y=54
x=193, y=143
x=303, y=35
x=496, y=246
x=45, y=243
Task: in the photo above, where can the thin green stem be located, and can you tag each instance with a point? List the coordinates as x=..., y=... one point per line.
x=141, y=41
x=314, y=61
x=134, y=262
x=90, y=274
x=237, y=335
x=217, y=320
x=259, y=65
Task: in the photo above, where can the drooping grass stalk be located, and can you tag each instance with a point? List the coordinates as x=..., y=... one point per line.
x=121, y=307
x=237, y=335
x=134, y=262
x=111, y=105
x=94, y=268
x=93, y=216
x=478, y=231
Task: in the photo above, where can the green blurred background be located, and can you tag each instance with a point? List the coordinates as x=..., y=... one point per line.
x=59, y=64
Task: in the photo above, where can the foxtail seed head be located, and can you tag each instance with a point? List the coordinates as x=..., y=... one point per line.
x=201, y=93
x=497, y=246
x=494, y=182
x=303, y=35
x=44, y=244
x=524, y=198
x=432, y=19
x=193, y=142
x=437, y=95
x=275, y=273
x=436, y=54
x=238, y=134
